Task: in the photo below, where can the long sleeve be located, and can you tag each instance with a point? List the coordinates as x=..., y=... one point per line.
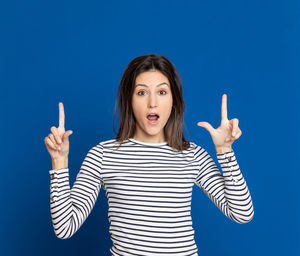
x=229, y=192
x=70, y=207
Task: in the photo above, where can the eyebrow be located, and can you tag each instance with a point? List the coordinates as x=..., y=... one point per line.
x=148, y=86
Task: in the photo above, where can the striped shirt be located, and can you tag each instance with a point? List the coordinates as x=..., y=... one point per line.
x=149, y=189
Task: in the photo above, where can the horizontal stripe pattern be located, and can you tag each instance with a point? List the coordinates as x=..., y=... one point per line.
x=149, y=190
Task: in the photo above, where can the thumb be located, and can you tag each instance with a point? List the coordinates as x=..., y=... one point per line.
x=67, y=134
x=207, y=126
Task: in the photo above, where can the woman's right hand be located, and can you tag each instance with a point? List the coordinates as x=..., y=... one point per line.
x=57, y=142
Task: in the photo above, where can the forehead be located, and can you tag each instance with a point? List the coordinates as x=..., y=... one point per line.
x=151, y=78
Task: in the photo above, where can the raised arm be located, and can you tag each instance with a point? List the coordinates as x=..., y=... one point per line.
x=71, y=207
x=229, y=192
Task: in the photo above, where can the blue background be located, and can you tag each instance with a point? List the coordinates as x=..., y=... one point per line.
x=75, y=52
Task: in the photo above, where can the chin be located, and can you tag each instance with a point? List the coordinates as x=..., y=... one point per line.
x=152, y=131
x=149, y=130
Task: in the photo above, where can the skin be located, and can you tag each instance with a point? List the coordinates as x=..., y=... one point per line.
x=57, y=142
x=152, y=99
x=152, y=94
x=147, y=98
x=226, y=133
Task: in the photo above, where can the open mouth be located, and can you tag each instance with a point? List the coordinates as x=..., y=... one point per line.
x=153, y=117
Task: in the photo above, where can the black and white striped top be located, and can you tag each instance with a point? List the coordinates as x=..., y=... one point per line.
x=149, y=190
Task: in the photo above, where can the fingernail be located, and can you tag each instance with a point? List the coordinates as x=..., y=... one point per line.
x=59, y=148
x=59, y=140
x=233, y=134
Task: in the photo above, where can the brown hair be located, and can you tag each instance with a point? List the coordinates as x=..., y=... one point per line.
x=173, y=129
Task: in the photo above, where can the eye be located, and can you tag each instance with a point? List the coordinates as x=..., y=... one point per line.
x=139, y=93
x=162, y=93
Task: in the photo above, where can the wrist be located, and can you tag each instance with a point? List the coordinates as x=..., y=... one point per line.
x=59, y=163
x=225, y=149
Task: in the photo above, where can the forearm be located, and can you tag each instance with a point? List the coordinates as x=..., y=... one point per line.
x=235, y=198
x=229, y=191
x=70, y=207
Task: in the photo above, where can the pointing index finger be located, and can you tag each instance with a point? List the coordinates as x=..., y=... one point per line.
x=61, y=115
x=224, y=107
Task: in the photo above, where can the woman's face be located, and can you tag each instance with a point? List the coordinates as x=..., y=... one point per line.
x=152, y=94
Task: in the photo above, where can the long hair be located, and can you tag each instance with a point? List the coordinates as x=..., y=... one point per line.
x=173, y=129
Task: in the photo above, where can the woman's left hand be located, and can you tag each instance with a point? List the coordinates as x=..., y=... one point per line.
x=227, y=132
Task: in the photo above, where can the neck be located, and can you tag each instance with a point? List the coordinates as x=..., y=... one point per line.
x=150, y=139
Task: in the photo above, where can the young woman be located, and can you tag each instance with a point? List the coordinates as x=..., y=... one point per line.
x=149, y=169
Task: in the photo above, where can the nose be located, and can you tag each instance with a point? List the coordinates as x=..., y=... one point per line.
x=152, y=102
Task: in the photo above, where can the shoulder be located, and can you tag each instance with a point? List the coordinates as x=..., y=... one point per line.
x=198, y=150
x=98, y=149
x=194, y=146
x=110, y=144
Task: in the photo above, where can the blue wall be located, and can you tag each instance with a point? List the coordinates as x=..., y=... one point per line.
x=76, y=51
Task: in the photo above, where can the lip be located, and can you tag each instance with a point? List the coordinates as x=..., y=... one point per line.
x=153, y=122
x=152, y=113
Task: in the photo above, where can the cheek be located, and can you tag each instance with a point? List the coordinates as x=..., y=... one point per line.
x=167, y=103
x=137, y=107
x=166, y=108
